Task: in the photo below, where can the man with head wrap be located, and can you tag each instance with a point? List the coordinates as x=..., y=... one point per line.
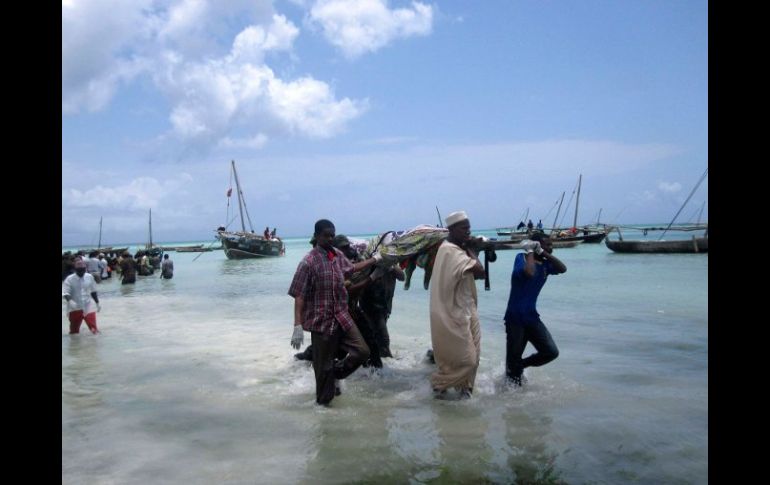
x=454, y=319
x=79, y=289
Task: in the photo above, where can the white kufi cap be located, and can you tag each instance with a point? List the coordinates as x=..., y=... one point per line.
x=455, y=217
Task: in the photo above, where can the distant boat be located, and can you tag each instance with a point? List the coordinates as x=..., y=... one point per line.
x=694, y=245
x=589, y=235
x=192, y=249
x=150, y=248
x=242, y=244
x=178, y=248
x=564, y=244
x=106, y=249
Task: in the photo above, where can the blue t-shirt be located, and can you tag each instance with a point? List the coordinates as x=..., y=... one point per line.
x=524, y=291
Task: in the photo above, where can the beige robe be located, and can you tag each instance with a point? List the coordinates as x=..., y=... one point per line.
x=454, y=319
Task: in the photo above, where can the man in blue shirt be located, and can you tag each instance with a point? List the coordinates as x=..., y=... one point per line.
x=522, y=322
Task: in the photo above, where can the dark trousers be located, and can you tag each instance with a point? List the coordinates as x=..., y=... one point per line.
x=516, y=338
x=325, y=349
x=378, y=320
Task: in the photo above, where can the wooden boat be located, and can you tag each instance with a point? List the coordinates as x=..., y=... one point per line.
x=586, y=234
x=564, y=244
x=596, y=237
x=243, y=244
x=150, y=248
x=180, y=248
x=694, y=245
x=192, y=249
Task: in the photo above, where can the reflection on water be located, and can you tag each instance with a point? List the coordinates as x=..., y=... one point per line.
x=82, y=376
x=529, y=458
x=194, y=381
x=264, y=266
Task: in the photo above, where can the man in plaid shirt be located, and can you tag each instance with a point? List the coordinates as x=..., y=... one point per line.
x=321, y=308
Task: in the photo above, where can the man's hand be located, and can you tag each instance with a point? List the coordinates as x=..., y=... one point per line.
x=377, y=256
x=297, y=337
x=530, y=246
x=71, y=305
x=98, y=307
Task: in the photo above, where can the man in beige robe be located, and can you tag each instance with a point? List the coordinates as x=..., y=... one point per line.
x=454, y=319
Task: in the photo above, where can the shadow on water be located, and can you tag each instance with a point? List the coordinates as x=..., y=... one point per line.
x=239, y=267
x=529, y=458
x=445, y=442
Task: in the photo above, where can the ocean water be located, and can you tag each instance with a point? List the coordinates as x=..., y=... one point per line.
x=193, y=381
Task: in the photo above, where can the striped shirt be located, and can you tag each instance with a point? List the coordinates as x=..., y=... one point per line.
x=320, y=281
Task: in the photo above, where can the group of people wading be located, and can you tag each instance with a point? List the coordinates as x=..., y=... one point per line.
x=344, y=302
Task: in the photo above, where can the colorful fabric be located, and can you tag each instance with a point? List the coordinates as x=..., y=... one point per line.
x=416, y=247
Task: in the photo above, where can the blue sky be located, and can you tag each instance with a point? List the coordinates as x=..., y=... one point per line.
x=371, y=113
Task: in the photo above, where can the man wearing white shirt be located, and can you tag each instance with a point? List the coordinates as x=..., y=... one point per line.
x=79, y=289
x=92, y=266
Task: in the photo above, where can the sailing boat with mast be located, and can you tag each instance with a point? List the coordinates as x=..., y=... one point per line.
x=693, y=245
x=107, y=249
x=242, y=244
x=152, y=249
x=588, y=236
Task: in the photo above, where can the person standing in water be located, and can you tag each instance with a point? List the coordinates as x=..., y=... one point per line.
x=79, y=290
x=321, y=308
x=522, y=321
x=454, y=320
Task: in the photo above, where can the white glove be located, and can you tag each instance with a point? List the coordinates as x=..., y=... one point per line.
x=297, y=337
x=530, y=246
x=98, y=307
x=483, y=238
x=377, y=256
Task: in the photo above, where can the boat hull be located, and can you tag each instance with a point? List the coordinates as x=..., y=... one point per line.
x=246, y=246
x=694, y=245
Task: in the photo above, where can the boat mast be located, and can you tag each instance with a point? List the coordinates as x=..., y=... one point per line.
x=440, y=224
x=557, y=212
x=98, y=246
x=149, y=246
x=240, y=195
x=702, y=177
x=699, y=214
x=599, y=216
x=577, y=201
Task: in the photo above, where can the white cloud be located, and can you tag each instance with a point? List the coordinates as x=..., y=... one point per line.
x=93, y=33
x=669, y=187
x=140, y=193
x=257, y=141
x=309, y=107
x=643, y=197
x=360, y=26
x=212, y=98
x=217, y=82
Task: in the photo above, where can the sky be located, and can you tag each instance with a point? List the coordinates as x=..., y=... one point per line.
x=372, y=113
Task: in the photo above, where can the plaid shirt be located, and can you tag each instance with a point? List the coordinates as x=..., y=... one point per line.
x=321, y=283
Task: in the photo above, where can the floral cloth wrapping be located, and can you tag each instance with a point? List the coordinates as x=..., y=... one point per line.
x=412, y=248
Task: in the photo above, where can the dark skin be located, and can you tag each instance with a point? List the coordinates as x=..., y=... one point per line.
x=532, y=259
x=324, y=240
x=80, y=272
x=460, y=234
